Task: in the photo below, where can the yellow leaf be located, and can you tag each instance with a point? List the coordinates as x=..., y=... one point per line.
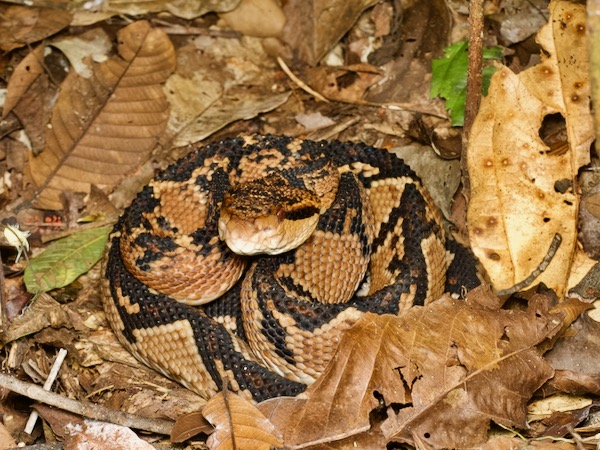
x=522, y=193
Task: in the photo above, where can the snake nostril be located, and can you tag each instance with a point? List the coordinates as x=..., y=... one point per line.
x=280, y=213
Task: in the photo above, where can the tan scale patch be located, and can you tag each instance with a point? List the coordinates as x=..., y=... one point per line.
x=190, y=279
x=331, y=266
x=328, y=266
x=314, y=350
x=434, y=251
x=295, y=145
x=385, y=195
x=263, y=350
x=258, y=164
x=110, y=309
x=182, y=273
x=184, y=206
x=171, y=349
x=366, y=170
x=407, y=299
x=381, y=276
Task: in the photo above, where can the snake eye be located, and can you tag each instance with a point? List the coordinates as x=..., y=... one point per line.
x=280, y=213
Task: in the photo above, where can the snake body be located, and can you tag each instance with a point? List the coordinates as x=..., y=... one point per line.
x=267, y=325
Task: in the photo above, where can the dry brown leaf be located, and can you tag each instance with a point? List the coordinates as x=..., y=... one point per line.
x=22, y=25
x=452, y=367
x=102, y=436
x=238, y=425
x=103, y=127
x=261, y=18
x=579, y=349
x=190, y=425
x=471, y=365
x=339, y=402
x=522, y=194
x=6, y=440
x=81, y=50
x=58, y=419
x=181, y=8
x=24, y=75
x=510, y=443
x=236, y=104
x=332, y=82
x=313, y=27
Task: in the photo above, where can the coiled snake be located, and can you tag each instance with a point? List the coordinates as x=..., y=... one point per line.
x=329, y=230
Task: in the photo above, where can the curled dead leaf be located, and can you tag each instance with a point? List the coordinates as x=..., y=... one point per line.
x=189, y=425
x=103, y=127
x=314, y=27
x=24, y=75
x=239, y=425
x=22, y=25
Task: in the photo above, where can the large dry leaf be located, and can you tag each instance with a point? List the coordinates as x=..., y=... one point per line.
x=479, y=365
x=103, y=127
x=22, y=25
x=452, y=367
x=238, y=425
x=522, y=194
x=315, y=26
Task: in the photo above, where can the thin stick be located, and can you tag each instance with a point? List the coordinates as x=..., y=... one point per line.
x=88, y=410
x=554, y=245
x=301, y=84
x=474, y=84
x=62, y=353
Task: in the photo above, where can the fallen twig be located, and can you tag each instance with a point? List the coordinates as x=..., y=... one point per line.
x=301, y=84
x=88, y=410
x=554, y=245
x=62, y=353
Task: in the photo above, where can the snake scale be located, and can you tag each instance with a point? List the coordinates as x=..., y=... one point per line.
x=360, y=235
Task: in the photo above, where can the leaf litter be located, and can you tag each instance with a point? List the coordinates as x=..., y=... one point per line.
x=443, y=375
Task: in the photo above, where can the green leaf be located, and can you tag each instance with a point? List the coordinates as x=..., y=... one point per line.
x=65, y=260
x=493, y=53
x=449, y=77
x=449, y=80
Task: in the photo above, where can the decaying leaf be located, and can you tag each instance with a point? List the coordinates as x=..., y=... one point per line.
x=315, y=26
x=332, y=81
x=238, y=424
x=228, y=108
x=261, y=18
x=44, y=312
x=180, y=8
x=480, y=365
x=24, y=75
x=449, y=369
x=102, y=436
x=22, y=25
x=81, y=50
x=190, y=425
x=522, y=192
x=103, y=127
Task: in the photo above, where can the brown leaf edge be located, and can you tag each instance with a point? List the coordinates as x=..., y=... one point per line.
x=103, y=127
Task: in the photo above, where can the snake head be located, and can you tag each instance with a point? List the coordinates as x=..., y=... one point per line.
x=267, y=216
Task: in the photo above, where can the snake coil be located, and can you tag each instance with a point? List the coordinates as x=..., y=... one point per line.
x=184, y=304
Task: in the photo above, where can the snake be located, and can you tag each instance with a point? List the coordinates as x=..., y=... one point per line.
x=242, y=264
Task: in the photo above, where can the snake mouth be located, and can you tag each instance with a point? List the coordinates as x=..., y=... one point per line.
x=269, y=235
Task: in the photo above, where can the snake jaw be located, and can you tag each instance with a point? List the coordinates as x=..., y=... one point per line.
x=271, y=234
